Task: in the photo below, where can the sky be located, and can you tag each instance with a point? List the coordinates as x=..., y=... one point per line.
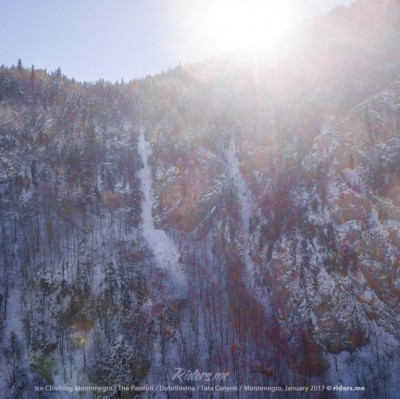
x=113, y=39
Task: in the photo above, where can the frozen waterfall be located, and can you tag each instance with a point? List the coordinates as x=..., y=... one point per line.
x=164, y=249
x=245, y=201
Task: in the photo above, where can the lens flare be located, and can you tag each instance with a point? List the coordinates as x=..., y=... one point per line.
x=248, y=26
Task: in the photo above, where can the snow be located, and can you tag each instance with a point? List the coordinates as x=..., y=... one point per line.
x=242, y=189
x=164, y=249
x=12, y=324
x=351, y=176
x=245, y=201
x=352, y=369
x=165, y=172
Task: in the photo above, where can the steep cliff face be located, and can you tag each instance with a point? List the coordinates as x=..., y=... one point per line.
x=209, y=218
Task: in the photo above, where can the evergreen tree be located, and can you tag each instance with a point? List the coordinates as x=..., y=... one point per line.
x=33, y=74
x=58, y=73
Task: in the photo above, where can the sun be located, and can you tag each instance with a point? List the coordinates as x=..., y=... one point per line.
x=248, y=26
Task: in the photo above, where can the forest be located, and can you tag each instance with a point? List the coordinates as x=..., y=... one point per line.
x=207, y=219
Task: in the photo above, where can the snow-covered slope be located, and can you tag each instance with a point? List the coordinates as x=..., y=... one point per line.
x=207, y=219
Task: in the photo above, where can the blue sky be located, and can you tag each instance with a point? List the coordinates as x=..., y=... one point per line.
x=110, y=39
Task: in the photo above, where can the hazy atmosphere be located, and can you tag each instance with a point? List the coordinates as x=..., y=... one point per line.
x=127, y=39
x=199, y=199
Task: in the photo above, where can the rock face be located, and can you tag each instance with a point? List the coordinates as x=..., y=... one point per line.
x=207, y=219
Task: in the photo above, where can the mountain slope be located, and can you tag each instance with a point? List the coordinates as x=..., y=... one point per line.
x=211, y=218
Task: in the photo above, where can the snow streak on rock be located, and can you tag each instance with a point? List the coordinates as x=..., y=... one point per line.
x=164, y=249
x=243, y=191
x=245, y=202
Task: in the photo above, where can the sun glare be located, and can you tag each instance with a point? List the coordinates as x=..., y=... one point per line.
x=252, y=26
